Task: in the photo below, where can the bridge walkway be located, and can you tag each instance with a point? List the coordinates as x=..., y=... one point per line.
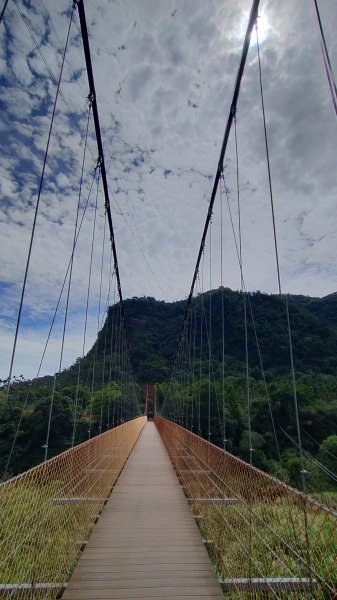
x=146, y=543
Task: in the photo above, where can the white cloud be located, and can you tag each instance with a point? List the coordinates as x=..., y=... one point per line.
x=164, y=72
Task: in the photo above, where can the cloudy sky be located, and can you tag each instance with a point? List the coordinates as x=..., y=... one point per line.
x=164, y=72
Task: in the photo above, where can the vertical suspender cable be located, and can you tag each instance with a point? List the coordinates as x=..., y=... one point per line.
x=223, y=325
x=33, y=383
x=88, y=289
x=105, y=340
x=254, y=327
x=99, y=313
x=210, y=333
x=70, y=274
x=243, y=291
x=297, y=420
x=303, y=471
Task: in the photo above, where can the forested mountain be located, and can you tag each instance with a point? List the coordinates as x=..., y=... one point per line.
x=154, y=328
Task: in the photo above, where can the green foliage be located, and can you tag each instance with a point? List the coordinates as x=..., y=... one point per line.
x=153, y=329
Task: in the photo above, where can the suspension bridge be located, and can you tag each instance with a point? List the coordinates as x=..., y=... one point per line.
x=149, y=508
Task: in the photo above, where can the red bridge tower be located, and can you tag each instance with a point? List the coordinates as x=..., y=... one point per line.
x=150, y=400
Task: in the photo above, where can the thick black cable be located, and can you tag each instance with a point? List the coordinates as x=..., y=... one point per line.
x=232, y=112
x=87, y=55
x=326, y=59
x=3, y=11
x=37, y=207
x=37, y=45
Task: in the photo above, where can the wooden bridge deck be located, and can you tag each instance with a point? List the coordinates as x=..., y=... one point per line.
x=146, y=543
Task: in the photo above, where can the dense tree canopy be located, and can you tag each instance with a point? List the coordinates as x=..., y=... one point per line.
x=154, y=329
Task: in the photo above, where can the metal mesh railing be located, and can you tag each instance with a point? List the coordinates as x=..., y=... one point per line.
x=48, y=512
x=265, y=538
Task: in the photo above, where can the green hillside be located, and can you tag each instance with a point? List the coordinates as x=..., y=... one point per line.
x=154, y=328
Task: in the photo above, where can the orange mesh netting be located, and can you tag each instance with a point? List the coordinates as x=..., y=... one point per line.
x=265, y=538
x=48, y=512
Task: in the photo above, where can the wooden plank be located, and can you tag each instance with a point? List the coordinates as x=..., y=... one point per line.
x=146, y=543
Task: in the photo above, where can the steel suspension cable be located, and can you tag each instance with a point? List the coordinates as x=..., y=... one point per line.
x=86, y=312
x=38, y=45
x=88, y=62
x=201, y=337
x=111, y=274
x=319, y=444
x=303, y=471
x=3, y=11
x=232, y=112
x=38, y=205
x=112, y=337
x=72, y=261
x=99, y=309
x=223, y=324
x=33, y=383
x=46, y=445
x=210, y=333
x=243, y=291
x=253, y=323
x=326, y=60
x=309, y=456
x=193, y=362
x=292, y=366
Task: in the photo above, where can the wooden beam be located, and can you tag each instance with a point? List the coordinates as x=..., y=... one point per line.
x=194, y=472
x=9, y=588
x=79, y=500
x=265, y=584
x=224, y=501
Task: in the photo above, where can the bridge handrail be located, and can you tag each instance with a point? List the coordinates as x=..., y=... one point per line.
x=47, y=513
x=255, y=526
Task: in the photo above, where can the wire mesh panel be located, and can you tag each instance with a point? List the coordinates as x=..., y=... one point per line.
x=265, y=538
x=48, y=512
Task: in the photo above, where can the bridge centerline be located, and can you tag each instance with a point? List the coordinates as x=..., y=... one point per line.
x=146, y=542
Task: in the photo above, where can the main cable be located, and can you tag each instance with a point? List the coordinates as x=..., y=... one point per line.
x=88, y=62
x=326, y=60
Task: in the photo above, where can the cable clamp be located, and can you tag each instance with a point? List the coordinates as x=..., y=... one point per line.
x=99, y=163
